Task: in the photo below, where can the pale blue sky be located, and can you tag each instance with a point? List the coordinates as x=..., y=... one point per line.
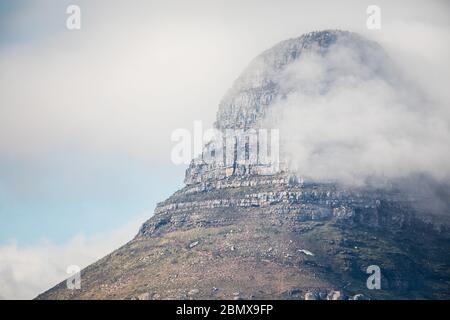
x=75, y=198
x=68, y=191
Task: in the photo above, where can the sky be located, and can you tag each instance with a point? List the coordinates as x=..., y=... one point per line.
x=86, y=115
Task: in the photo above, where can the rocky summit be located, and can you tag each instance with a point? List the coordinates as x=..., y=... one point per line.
x=238, y=231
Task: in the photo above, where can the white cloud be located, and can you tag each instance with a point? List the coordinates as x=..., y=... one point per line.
x=350, y=119
x=26, y=271
x=133, y=74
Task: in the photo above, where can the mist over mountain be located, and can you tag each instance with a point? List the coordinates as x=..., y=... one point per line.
x=346, y=111
x=355, y=139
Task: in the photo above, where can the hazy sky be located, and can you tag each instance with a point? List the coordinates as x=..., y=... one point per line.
x=86, y=115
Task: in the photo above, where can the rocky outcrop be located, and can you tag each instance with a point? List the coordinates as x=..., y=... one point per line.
x=281, y=196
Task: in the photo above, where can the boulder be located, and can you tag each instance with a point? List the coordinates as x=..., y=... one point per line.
x=193, y=244
x=335, y=295
x=310, y=296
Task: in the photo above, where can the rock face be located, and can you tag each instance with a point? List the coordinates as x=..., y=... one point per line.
x=238, y=227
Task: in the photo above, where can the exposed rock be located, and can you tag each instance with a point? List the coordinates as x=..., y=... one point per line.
x=335, y=295
x=193, y=244
x=307, y=252
x=144, y=296
x=310, y=296
x=193, y=292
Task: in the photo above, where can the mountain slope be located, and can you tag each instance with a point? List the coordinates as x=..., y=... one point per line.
x=255, y=249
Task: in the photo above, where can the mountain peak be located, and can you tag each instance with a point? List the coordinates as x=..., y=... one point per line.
x=232, y=233
x=248, y=100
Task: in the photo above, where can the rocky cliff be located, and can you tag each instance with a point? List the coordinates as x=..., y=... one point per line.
x=240, y=231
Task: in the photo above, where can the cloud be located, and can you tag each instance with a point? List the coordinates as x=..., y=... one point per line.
x=26, y=271
x=133, y=74
x=353, y=115
x=120, y=85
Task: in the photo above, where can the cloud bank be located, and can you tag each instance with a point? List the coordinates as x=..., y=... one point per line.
x=26, y=271
x=354, y=115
